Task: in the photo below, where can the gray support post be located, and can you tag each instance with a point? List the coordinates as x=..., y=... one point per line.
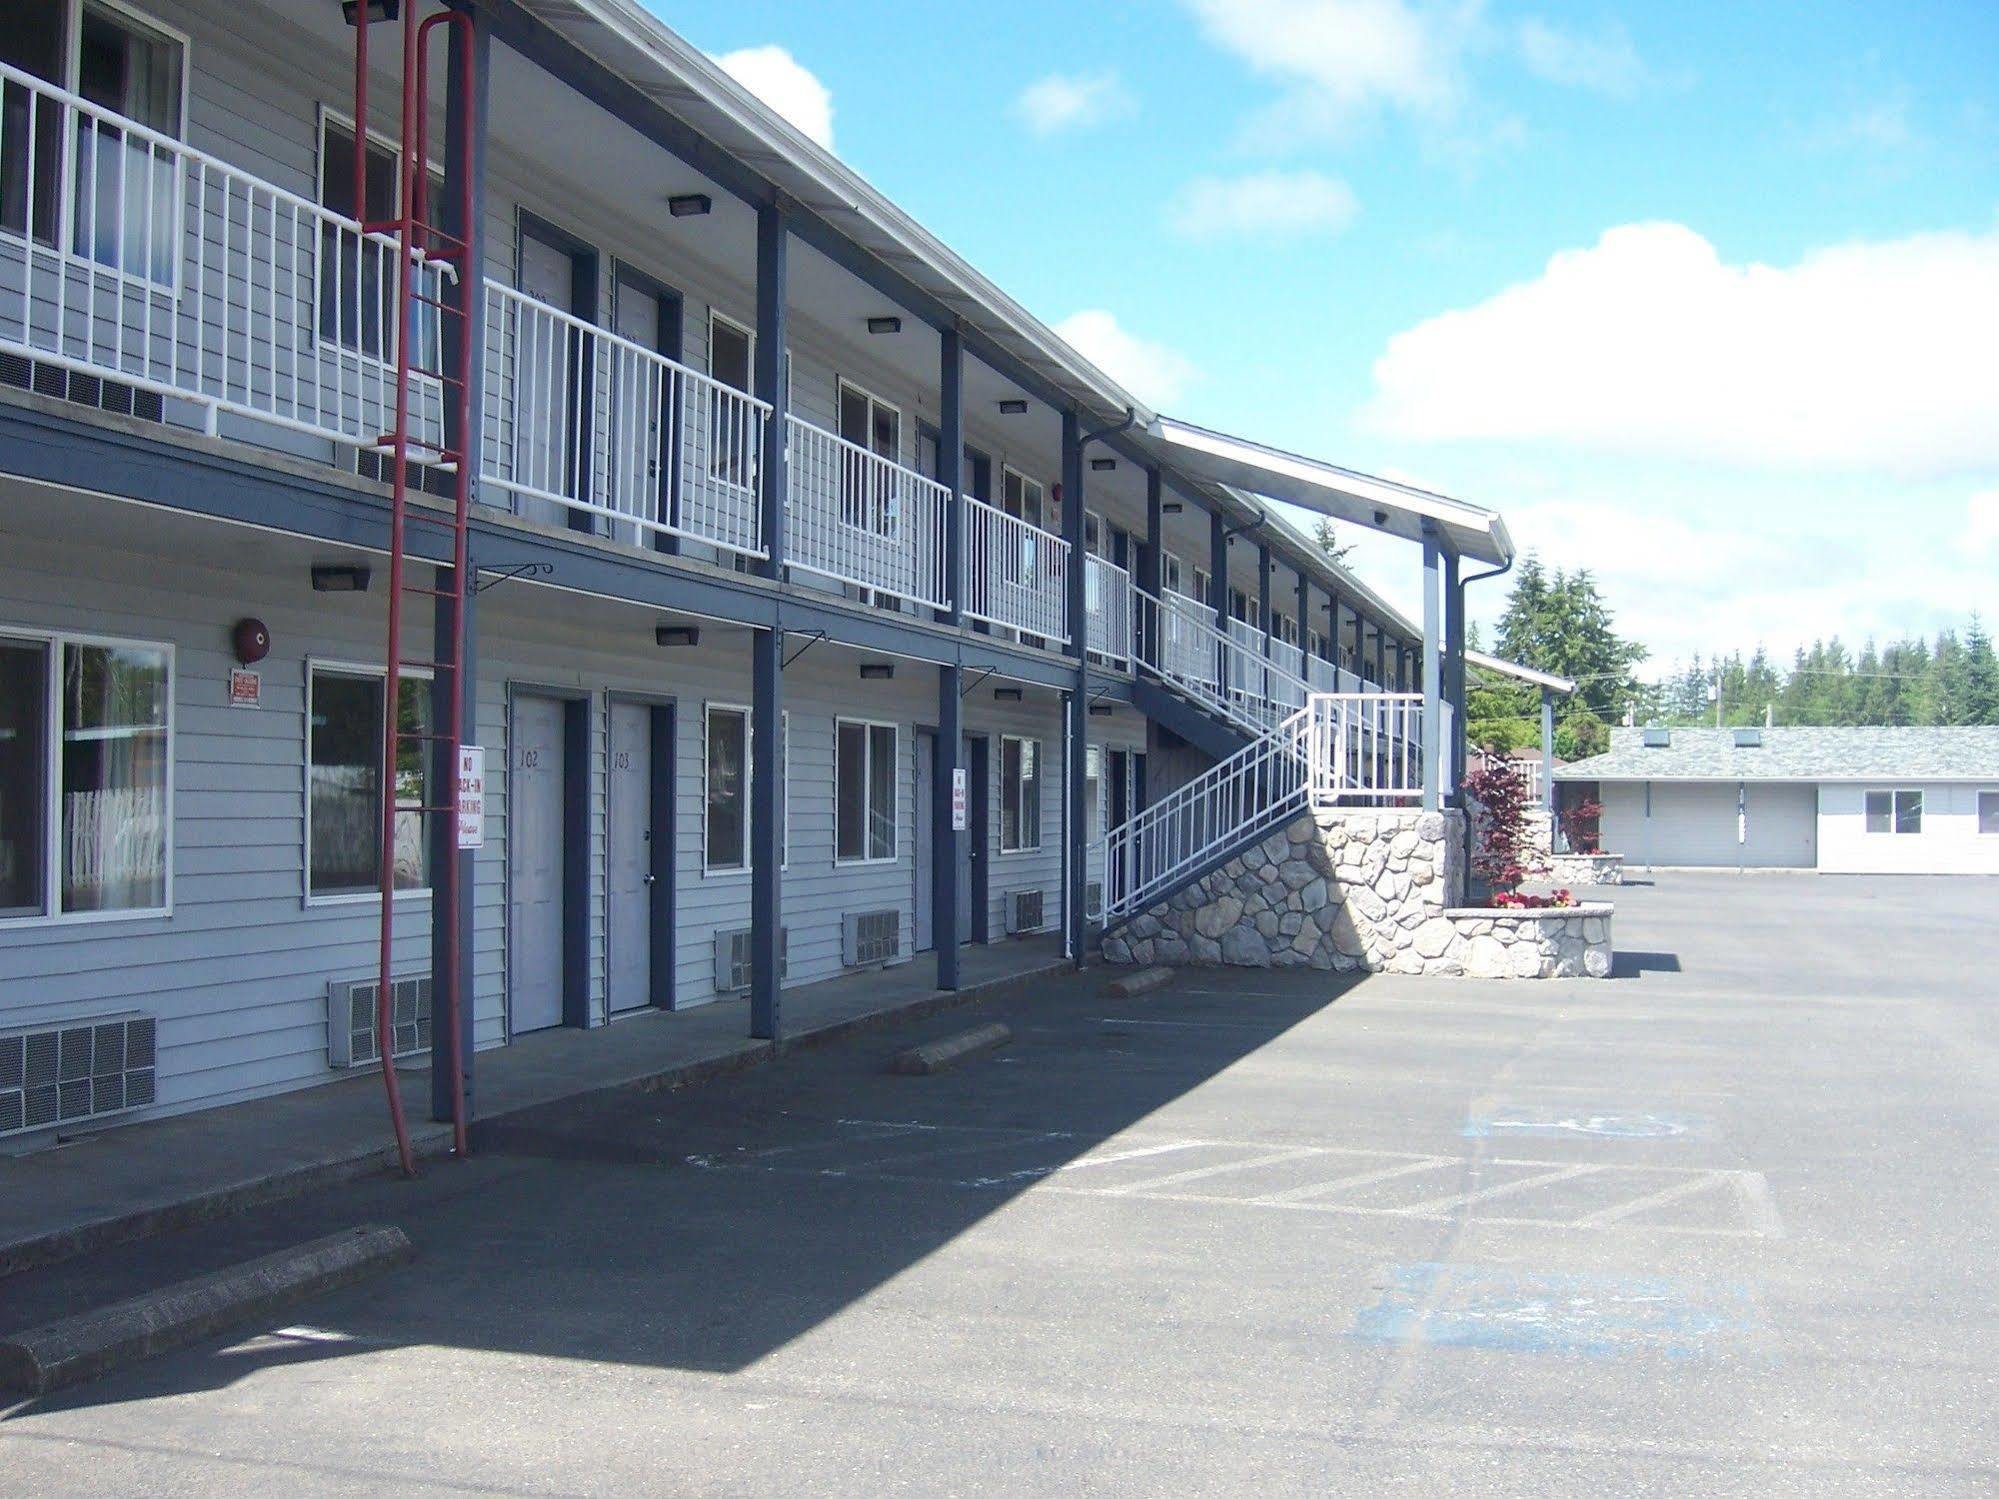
x=453, y=872
x=1454, y=673
x=945, y=839
x=1333, y=632
x=1305, y=624
x=1263, y=612
x=767, y=646
x=1548, y=751
x=1218, y=589
x=1433, y=675
x=1075, y=869
x=1152, y=561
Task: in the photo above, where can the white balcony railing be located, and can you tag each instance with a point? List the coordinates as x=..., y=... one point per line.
x=1366, y=745
x=1107, y=604
x=856, y=517
x=128, y=255
x=579, y=418
x=1015, y=574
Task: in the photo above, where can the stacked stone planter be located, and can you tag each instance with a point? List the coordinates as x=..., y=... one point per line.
x=1583, y=869
x=1360, y=889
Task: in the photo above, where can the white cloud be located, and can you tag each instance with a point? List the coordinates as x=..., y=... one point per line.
x=1861, y=357
x=787, y=86
x=1073, y=101
x=1605, y=64
x=1344, y=59
x=1151, y=371
x=1981, y=530
x=1261, y=205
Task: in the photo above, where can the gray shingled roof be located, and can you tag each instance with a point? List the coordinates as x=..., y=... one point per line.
x=1832, y=754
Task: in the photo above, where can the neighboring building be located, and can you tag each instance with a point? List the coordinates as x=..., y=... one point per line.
x=931, y=538
x=1840, y=800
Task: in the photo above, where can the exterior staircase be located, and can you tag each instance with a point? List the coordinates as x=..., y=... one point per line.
x=1283, y=748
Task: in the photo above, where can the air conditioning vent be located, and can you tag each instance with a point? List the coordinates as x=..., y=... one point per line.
x=350, y=1020
x=1749, y=739
x=1658, y=738
x=83, y=389
x=1023, y=912
x=83, y=1070
x=732, y=959
x=868, y=937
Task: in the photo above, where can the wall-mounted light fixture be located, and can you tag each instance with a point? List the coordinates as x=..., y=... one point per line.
x=378, y=10
x=1381, y=517
x=1103, y=465
x=339, y=577
x=1006, y=694
x=1013, y=407
x=690, y=205
x=1172, y=507
x=884, y=325
x=877, y=671
x=677, y=635
x=1102, y=710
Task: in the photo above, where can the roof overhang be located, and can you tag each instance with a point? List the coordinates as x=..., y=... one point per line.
x=1547, y=679
x=1359, y=499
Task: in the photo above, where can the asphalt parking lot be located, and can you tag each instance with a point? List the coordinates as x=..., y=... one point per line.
x=1726, y=1223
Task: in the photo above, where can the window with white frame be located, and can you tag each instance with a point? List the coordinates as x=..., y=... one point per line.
x=357, y=277
x=1988, y=814
x=1894, y=811
x=731, y=351
x=726, y=778
x=1021, y=498
x=1020, y=794
x=84, y=754
x=1093, y=800
x=115, y=193
x=864, y=785
x=867, y=491
x=344, y=782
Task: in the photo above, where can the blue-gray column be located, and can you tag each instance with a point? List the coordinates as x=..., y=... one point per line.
x=1075, y=869
x=1152, y=561
x=1263, y=610
x=767, y=646
x=1433, y=673
x=1218, y=588
x=1454, y=673
x=1305, y=622
x=453, y=872
x=946, y=841
x=1548, y=749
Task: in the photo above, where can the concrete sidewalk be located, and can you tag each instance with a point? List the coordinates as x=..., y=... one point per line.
x=121, y=1184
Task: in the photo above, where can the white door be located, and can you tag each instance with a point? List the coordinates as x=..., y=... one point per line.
x=543, y=374
x=535, y=865
x=629, y=810
x=638, y=393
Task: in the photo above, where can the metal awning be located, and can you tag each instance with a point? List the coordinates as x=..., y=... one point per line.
x=1519, y=673
x=1360, y=499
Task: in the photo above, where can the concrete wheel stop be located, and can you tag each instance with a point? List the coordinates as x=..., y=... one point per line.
x=935, y=1056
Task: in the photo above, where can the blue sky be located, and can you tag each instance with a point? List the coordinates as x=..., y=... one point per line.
x=1704, y=296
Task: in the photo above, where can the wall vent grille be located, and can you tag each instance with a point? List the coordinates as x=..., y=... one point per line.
x=870, y=937
x=82, y=1070
x=1023, y=912
x=732, y=959
x=350, y=1020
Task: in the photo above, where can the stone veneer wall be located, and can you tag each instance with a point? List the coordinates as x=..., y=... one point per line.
x=1354, y=889
x=1583, y=869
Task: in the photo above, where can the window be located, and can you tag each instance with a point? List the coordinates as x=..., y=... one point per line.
x=867, y=490
x=1093, y=801
x=124, y=192
x=865, y=792
x=344, y=792
x=1021, y=498
x=731, y=350
x=1894, y=811
x=357, y=277
x=1988, y=814
x=1020, y=794
x=1169, y=572
x=727, y=840
x=84, y=751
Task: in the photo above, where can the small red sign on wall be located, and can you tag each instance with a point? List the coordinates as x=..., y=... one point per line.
x=246, y=689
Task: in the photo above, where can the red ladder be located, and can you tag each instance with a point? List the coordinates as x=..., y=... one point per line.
x=421, y=245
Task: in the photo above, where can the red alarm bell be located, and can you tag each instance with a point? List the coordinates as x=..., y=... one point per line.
x=252, y=641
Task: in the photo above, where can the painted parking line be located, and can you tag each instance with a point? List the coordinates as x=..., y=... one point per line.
x=1717, y=1203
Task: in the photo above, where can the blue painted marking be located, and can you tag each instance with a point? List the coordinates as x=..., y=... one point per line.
x=1519, y=1311
x=1596, y=1123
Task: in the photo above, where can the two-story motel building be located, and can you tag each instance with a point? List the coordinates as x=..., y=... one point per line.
x=733, y=620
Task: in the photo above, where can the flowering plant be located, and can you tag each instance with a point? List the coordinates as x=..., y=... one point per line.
x=1513, y=900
